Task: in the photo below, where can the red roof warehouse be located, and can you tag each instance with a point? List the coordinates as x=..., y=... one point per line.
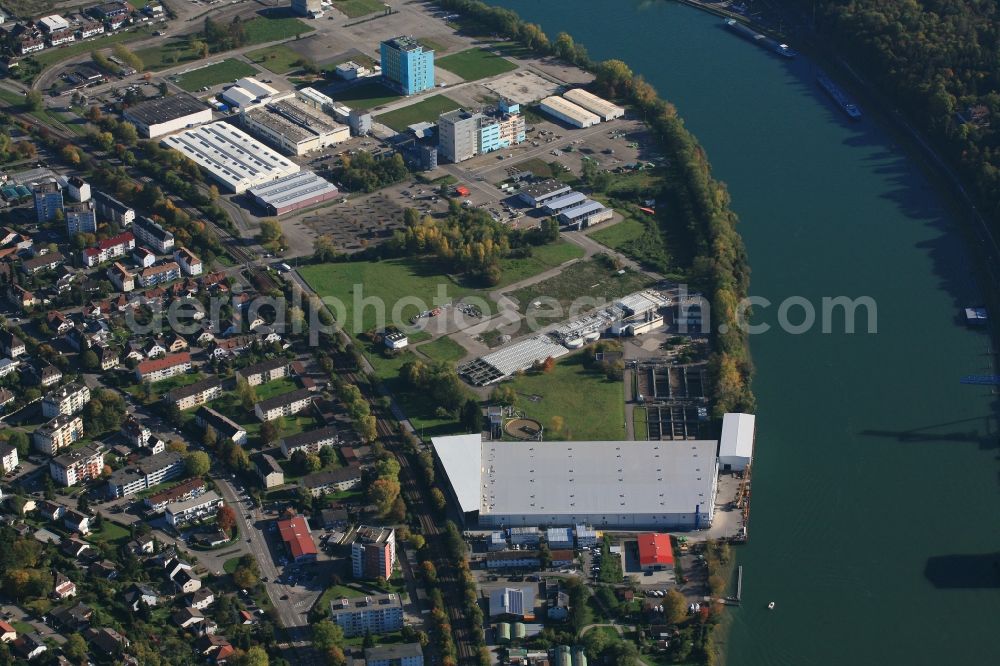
x=295, y=533
x=655, y=551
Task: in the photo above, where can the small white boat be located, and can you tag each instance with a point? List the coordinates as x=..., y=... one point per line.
x=770, y=606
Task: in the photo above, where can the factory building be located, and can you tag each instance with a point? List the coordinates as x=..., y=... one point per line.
x=166, y=115
x=585, y=214
x=612, y=485
x=540, y=193
x=602, y=108
x=247, y=92
x=511, y=359
x=406, y=65
x=291, y=193
x=736, y=442
x=294, y=126
x=231, y=156
x=568, y=112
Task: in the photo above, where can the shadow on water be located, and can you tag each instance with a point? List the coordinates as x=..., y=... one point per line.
x=964, y=571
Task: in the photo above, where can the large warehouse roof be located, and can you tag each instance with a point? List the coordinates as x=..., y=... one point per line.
x=602, y=107
x=288, y=192
x=165, y=109
x=569, y=111
x=510, y=359
x=737, y=436
x=231, y=156
x=580, y=478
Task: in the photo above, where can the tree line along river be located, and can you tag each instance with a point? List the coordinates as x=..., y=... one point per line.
x=876, y=471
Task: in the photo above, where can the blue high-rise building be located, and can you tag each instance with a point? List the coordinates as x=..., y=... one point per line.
x=48, y=200
x=406, y=65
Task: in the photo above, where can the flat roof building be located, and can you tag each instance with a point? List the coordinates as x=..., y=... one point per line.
x=406, y=65
x=165, y=115
x=231, y=156
x=736, y=442
x=585, y=214
x=400, y=654
x=600, y=107
x=619, y=485
x=294, y=192
x=538, y=193
x=293, y=126
x=376, y=614
x=568, y=112
x=511, y=359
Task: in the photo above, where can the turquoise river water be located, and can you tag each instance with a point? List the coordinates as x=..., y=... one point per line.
x=875, y=489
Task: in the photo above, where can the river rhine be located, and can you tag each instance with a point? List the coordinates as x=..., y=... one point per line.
x=876, y=473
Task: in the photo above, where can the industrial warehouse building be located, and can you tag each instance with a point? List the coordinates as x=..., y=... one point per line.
x=294, y=126
x=511, y=359
x=613, y=485
x=585, y=214
x=167, y=114
x=602, y=108
x=231, y=156
x=736, y=442
x=568, y=112
x=246, y=92
x=293, y=192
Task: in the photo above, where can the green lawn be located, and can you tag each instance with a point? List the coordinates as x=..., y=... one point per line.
x=426, y=110
x=356, y=8
x=229, y=566
x=279, y=59
x=539, y=167
x=388, y=282
x=620, y=234
x=169, y=53
x=161, y=388
x=265, y=29
x=443, y=349
x=432, y=45
x=276, y=387
x=543, y=257
x=474, y=64
x=221, y=72
x=23, y=627
x=367, y=95
x=109, y=533
x=592, y=408
x=640, y=426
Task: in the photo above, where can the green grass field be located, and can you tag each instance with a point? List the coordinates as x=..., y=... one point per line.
x=432, y=45
x=443, y=349
x=169, y=53
x=265, y=29
x=278, y=59
x=221, y=72
x=388, y=281
x=276, y=387
x=160, y=389
x=367, y=95
x=356, y=8
x=426, y=110
x=591, y=407
x=230, y=565
x=543, y=257
x=474, y=64
x=640, y=237
x=620, y=234
x=109, y=533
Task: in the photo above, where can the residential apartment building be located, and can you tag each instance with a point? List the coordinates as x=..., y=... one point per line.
x=44, y=261
x=189, y=263
x=57, y=434
x=8, y=458
x=82, y=464
x=145, y=473
x=48, y=200
x=286, y=404
x=110, y=208
x=378, y=614
x=152, y=235
x=68, y=399
x=181, y=513
x=373, y=553
x=135, y=432
x=223, y=425
x=401, y=654
x=332, y=481
x=195, y=394
x=309, y=442
x=269, y=471
x=81, y=218
x=158, y=369
x=265, y=371
x=183, y=491
x=108, y=249
x=11, y=345
x=154, y=275
x=122, y=278
x=406, y=65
